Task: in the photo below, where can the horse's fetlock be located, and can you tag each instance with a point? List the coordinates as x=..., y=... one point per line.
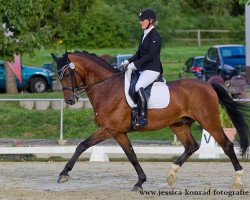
x=143, y=179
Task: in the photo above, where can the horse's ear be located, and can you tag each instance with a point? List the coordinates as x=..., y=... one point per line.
x=54, y=57
x=66, y=53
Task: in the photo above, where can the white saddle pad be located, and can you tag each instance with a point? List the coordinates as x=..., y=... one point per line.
x=159, y=97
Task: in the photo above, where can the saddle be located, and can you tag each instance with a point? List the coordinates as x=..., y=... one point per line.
x=159, y=94
x=134, y=78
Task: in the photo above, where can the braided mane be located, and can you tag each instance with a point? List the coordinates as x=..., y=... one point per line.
x=96, y=58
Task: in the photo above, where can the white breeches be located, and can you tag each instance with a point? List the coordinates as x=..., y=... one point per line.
x=146, y=78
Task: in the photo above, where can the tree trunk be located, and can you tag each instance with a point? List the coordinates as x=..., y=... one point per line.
x=11, y=87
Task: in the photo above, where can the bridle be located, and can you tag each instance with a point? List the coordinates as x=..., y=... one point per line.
x=78, y=90
x=74, y=88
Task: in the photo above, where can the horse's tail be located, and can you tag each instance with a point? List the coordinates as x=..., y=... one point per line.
x=237, y=113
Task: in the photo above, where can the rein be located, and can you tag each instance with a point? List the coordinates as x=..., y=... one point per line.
x=79, y=90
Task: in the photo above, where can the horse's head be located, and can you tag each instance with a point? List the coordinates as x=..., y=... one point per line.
x=66, y=73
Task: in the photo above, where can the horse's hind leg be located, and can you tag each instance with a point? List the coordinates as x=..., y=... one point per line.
x=99, y=136
x=124, y=142
x=228, y=148
x=183, y=132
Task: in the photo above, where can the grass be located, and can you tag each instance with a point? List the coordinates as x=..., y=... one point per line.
x=34, y=124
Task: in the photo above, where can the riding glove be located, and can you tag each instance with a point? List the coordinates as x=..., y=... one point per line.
x=132, y=66
x=124, y=63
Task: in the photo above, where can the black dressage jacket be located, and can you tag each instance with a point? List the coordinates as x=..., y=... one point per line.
x=147, y=56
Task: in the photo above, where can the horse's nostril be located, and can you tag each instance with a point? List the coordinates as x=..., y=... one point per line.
x=70, y=101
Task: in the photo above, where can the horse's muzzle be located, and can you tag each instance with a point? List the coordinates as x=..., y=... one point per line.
x=72, y=99
x=71, y=102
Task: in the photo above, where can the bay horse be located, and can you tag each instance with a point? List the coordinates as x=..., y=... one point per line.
x=190, y=100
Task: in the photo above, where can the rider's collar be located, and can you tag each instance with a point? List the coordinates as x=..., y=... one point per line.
x=146, y=31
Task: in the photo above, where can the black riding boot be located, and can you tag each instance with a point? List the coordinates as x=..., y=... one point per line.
x=142, y=108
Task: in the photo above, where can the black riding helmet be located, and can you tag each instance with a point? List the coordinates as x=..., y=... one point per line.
x=147, y=14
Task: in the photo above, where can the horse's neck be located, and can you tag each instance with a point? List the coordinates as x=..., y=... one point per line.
x=106, y=92
x=97, y=74
x=101, y=83
x=90, y=70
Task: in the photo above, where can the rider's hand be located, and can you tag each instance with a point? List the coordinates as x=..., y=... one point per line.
x=132, y=66
x=124, y=65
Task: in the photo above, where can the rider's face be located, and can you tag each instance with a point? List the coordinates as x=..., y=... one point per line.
x=144, y=23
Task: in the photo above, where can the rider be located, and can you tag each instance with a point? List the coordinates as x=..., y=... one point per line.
x=146, y=60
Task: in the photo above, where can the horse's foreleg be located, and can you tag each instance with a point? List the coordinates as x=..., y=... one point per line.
x=124, y=142
x=184, y=134
x=97, y=137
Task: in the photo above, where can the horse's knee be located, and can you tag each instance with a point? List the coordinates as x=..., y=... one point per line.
x=81, y=147
x=192, y=148
x=196, y=146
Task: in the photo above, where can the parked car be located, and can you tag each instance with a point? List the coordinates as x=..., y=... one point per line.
x=34, y=79
x=225, y=61
x=115, y=61
x=195, y=65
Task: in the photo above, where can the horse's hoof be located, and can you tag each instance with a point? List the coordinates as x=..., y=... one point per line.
x=237, y=185
x=137, y=189
x=63, y=178
x=171, y=178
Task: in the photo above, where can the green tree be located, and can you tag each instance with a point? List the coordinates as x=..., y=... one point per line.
x=65, y=18
x=24, y=19
x=244, y=1
x=101, y=27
